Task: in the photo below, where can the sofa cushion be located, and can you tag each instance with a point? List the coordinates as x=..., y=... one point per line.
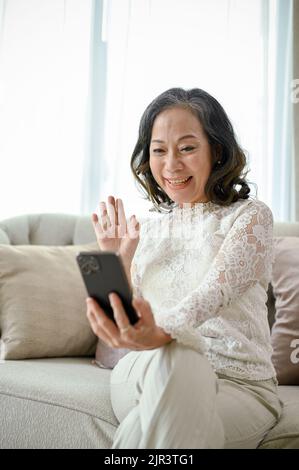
x=65, y=403
x=285, y=331
x=285, y=435
x=55, y=403
x=42, y=303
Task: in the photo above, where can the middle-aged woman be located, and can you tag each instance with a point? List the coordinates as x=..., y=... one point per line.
x=198, y=373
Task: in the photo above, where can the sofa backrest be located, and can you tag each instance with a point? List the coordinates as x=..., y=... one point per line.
x=286, y=229
x=47, y=229
x=67, y=229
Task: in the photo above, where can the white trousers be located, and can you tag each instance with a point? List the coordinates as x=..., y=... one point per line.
x=170, y=398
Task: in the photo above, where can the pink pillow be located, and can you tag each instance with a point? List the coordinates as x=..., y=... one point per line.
x=285, y=331
x=107, y=357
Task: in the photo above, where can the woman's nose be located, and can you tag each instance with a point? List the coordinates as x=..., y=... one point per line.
x=173, y=162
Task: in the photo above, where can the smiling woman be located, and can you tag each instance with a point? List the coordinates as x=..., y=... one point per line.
x=187, y=151
x=200, y=353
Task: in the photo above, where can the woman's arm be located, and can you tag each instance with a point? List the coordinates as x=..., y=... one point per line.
x=244, y=259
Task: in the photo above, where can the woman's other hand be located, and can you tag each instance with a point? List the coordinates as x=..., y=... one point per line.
x=112, y=230
x=145, y=334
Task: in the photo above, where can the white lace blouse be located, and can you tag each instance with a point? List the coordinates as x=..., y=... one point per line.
x=205, y=272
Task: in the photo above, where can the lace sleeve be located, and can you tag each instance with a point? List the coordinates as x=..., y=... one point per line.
x=135, y=276
x=245, y=258
x=136, y=284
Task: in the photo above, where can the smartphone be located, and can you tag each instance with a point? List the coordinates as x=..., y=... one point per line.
x=102, y=273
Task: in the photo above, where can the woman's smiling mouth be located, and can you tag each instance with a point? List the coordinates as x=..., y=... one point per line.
x=178, y=183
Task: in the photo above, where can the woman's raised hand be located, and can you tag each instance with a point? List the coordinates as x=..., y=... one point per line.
x=114, y=232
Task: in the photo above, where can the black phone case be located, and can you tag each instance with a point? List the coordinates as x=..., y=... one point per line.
x=103, y=272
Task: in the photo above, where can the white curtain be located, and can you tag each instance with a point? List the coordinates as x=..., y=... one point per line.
x=280, y=143
x=44, y=81
x=94, y=167
x=295, y=101
x=222, y=46
x=76, y=77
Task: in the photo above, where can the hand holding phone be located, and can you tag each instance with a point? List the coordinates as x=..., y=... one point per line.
x=102, y=273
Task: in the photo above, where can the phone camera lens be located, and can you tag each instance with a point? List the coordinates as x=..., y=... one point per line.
x=89, y=265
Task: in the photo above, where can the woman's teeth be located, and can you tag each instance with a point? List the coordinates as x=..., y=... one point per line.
x=178, y=182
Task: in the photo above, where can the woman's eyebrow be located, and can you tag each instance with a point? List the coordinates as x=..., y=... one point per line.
x=188, y=136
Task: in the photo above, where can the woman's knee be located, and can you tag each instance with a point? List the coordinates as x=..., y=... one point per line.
x=178, y=355
x=176, y=358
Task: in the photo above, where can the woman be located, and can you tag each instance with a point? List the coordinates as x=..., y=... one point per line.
x=199, y=373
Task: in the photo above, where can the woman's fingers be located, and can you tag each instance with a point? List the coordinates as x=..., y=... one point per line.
x=94, y=218
x=143, y=309
x=97, y=226
x=122, y=222
x=146, y=319
x=133, y=227
x=112, y=218
x=98, y=331
x=101, y=324
x=112, y=211
x=120, y=315
x=122, y=334
x=109, y=215
x=105, y=220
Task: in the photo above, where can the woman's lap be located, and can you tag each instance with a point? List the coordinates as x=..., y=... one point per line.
x=247, y=409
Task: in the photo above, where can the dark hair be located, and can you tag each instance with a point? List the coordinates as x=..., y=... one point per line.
x=221, y=184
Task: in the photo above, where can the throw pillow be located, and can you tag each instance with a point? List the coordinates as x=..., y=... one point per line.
x=285, y=331
x=107, y=357
x=42, y=303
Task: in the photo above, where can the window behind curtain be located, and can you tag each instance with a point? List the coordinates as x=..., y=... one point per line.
x=44, y=79
x=227, y=47
x=218, y=45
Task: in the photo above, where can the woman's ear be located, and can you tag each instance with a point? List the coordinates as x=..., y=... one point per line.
x=218, y=151
x=217, y=155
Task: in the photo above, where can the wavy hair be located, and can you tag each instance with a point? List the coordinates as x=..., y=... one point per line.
x=226, y=176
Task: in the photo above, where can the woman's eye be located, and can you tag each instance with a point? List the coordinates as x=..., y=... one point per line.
x=159, y=151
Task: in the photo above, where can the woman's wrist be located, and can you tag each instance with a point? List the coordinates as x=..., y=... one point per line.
x=162, y=337
x=127, y=267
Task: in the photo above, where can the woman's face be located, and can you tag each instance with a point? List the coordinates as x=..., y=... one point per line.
x=180, y=155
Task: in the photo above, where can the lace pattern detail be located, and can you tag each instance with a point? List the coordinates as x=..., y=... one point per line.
x=206, y=279
x=244, y=259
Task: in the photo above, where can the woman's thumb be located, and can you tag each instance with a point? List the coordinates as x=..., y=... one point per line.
x=134, y=227
x=141, y=306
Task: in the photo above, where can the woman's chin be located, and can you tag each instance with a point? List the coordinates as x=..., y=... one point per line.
x=178, y=196
x=181, y=196
x=187, y=200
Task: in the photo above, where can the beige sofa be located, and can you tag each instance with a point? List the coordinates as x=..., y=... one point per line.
x=64, y=402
